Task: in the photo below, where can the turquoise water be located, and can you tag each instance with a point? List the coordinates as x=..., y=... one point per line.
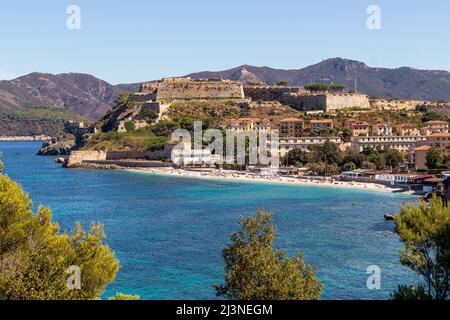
x=168, y=232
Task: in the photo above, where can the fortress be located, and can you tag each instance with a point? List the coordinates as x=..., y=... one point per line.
x=304, y=100
x=159, y=95
x=187, y=88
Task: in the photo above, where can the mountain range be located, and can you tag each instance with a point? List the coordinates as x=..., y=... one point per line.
x=91, y=97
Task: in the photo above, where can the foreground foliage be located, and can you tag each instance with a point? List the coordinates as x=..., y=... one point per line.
x=254, y=270
x=425, y=232
x=35, y=255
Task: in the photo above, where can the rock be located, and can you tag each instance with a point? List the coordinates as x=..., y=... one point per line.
x=61, y=145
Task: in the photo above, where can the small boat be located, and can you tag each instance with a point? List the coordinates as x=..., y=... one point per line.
x=388, y=217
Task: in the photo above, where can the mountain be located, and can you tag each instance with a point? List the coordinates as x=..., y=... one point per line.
x=82, y=94
x=404, y=82
x=86, y=95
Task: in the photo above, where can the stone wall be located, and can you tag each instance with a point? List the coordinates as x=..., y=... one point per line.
x=186, y=88
x=326, y=101
x=268, y=93
x=391, y=104
x=78, y=157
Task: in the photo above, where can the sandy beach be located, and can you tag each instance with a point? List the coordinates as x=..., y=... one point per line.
x=248, y=177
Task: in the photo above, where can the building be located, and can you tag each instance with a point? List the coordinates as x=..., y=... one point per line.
x=441, y=141
x=291, y=127
x=249, y=124
x=407, y=130
x=358, y=128
x=381, y=129
x=401, y=143
x=419, y=157
x=323, y=124
x=325, y=101
x=304, y=143
x=432, y=127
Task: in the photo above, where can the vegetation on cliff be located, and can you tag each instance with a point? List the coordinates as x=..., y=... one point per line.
x=36, y=121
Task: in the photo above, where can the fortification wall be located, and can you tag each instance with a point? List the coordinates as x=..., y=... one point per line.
x=336, y=101
x=199, y=89
x=77, y=157
x=326, y=101
x=268, y=93
x=306, y=102
x=389, y=104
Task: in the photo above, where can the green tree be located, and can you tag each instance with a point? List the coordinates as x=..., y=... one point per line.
x=414, y=292
x=35, y=256
x=282, y=83
x=349, y=166
x=129, y=126
x=393, y=158
x=425, y=233
x=254, y=270
x=328, y=153
x=434, y=158
x=121, y=296
x=296, y=157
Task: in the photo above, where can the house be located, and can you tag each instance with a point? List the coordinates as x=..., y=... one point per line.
x=401, y=143
x=291, y=127
x=249, y=124
x=441, y=141
x=431, y=127
x=358, y=128
x=407, y=130
x=419, y=157
x=433, y=184
x=324, y=124
x=303, y=143
x=381, y=129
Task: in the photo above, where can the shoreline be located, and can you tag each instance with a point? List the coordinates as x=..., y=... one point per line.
x=24, y=138
x=233, y=176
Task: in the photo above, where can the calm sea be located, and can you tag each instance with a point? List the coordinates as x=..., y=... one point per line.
x=168, y=232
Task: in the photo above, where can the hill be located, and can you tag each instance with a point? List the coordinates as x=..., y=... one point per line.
x=404, y=82
x=36, y=121
x=82, y=94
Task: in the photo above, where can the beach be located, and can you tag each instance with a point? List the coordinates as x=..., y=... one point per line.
x=228, y=175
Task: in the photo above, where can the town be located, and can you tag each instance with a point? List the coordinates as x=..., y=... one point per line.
x=393, y=142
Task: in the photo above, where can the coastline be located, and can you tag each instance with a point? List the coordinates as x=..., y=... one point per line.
x=24, y=138
x=233, y=176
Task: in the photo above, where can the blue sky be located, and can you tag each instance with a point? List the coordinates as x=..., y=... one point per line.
x=132, y=41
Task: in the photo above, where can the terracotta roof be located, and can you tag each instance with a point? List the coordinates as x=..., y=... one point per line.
x=358, y=123
x=407, y=125
x=321, y=121
x=291, y=120
x=436, y=122
x=441, y=135
x=422, y=148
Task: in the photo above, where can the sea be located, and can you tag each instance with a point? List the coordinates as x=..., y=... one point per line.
x=169, y=232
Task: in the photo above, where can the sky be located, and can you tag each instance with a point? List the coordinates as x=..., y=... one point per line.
x=139, y=40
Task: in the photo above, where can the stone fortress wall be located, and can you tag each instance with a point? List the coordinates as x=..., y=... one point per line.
x=187, y=88
x=268, y=93
x=303, y=100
